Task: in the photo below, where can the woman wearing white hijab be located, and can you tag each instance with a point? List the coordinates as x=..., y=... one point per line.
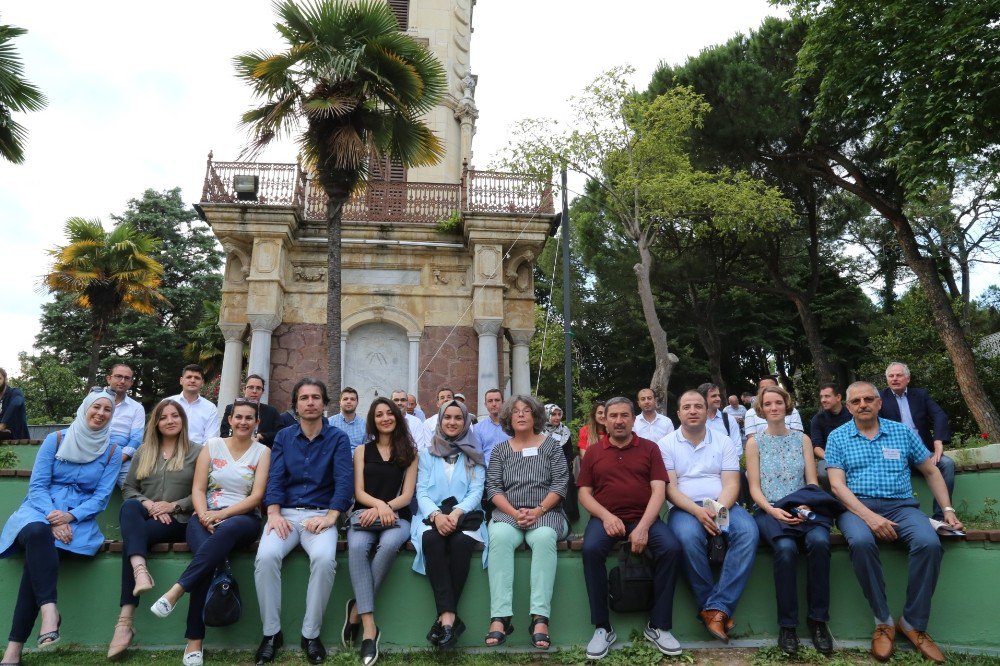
x=71, y=482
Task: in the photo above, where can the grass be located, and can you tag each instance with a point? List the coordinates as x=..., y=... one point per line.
x=640, y=653
x=987, y=519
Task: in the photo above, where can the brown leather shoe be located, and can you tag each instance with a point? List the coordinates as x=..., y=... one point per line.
x=715, y=621
x=730, y=623
x=882, y=647
x=923, y=642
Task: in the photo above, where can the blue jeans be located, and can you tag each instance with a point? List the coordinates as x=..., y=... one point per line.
x=724, y=595
x=915, y=531
x=786, y=553
x=947, y=468
x=663, y=549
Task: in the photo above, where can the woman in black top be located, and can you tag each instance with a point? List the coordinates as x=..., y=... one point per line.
x=385, y=474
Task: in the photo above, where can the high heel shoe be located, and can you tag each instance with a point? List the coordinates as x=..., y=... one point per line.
x=50, y=638
x=117, y=647
x=141, y=570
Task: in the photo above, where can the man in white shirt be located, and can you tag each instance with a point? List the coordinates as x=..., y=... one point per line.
x=650, y=424
x=488, y=430
x=202, y=414
x=413, y=408
x=129, y=421
x=702, y=465
x=717, y=419
x=752, y=424
x=413, y=424
x=444, y=394
x=735, y=410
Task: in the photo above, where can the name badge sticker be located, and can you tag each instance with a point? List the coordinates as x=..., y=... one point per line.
x=533, y=451
x=891, y=454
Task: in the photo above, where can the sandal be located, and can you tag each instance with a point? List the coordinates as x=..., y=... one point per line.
x=500, y=636
x=50, y=638
x=117, y=648
x=141, y=570
x=537, y=637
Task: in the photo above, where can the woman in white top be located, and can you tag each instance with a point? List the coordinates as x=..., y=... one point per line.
x=229, y=483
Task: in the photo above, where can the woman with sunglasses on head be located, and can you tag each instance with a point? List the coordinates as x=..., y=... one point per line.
x=780, y=467
x=157, y=507
x=385, y=474
x=71, y=482
x=450, y=482
x=229, y=482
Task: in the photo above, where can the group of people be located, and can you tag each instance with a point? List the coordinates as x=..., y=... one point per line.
x=452, y=481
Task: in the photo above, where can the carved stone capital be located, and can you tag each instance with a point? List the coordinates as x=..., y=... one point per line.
x=232, y=332
x=487, y=326
x=414, y=337
x=264, y=322
x=521, y=336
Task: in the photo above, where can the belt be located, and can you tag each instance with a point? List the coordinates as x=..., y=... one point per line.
x=310, y=508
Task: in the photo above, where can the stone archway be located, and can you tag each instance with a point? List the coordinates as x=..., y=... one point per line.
x=376, y=361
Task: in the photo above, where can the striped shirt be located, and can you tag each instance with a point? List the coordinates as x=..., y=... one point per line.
x=526, y=480
x=877, y=467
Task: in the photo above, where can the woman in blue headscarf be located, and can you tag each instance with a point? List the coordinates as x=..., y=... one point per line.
x=71, y=482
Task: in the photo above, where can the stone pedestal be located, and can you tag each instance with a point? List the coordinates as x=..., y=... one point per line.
x=232, y=364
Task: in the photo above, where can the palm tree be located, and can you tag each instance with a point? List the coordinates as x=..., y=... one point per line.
x=361, y=86
x=206, y=346
x=16, y=94
x=107, y=273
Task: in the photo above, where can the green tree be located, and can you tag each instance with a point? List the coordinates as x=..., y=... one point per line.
x=106, y=273
x=16, y=95
x=361, y=87
x=52, y=390
x=822, y=128
x=152, y=345
x=637, y=152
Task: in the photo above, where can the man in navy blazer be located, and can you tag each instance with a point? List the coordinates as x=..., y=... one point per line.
x=915, y=408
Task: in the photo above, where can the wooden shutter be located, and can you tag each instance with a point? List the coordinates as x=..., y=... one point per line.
x=401, y=8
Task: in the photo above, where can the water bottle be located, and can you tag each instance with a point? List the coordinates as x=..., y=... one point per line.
x=805, y=514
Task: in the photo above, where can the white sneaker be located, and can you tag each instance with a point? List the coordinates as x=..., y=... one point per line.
x=161, y=607
x=663, y=640
x=599, y=645
x=193, y=658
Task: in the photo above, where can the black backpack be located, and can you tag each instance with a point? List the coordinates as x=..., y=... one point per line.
x=630, y=584
x=223, y=605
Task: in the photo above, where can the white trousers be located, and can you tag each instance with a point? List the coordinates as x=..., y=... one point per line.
x=322, y=551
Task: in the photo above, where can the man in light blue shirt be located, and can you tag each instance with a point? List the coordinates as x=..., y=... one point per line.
x=348, y=420
x=129, y=421
x=488, y=431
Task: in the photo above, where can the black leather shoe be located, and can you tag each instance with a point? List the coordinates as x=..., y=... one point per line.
x=434, y=635
x=450, y=634
x=369, y=649
x=350, y=633
x=788, y=642
x=313, y=647
x=268, y=648
x=821, y=638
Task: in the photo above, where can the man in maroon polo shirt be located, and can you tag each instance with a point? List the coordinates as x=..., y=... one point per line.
x=623, y=485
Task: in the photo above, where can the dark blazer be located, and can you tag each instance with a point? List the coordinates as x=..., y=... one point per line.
x=927, y=415
x=267, y=428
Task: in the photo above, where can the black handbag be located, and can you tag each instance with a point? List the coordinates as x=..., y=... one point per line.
x=354, y=521
x=630, y=584
x=718, y=544
x=472, y=520
x=223, y=605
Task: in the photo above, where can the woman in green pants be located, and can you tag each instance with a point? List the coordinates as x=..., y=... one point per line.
x=527, y=480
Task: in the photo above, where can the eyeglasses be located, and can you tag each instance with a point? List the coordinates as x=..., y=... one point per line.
x=244, y=401
x=867, y=399
x=521, y=412
x=122, y=378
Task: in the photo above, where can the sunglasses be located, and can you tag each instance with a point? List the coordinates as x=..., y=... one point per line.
x=103, y=389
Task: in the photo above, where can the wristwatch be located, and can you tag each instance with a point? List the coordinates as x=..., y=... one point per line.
x=948, y=508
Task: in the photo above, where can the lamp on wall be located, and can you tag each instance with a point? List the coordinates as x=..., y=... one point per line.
x=246, y=186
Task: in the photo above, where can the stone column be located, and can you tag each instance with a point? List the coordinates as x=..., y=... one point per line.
x=489, y=369
x=232, y=364
x=343, y=360
x=414, y=362
x=520, y=363
x=261, y=327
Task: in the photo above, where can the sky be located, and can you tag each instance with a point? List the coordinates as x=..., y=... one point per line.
x=140, y=92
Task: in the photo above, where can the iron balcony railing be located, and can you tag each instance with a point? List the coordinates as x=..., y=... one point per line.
x=380, y=201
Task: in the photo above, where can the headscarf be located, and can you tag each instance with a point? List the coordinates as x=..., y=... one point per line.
x=559, y=432
x=466, y=442
x=80, y=444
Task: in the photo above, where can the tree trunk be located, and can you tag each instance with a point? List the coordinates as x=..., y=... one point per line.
x=97, y=336
x=338, y=191
x=810, y=324
x=710, y=342
x=665, y=361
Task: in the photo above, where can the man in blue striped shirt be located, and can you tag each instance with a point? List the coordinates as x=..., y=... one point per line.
x=348, y=419
x=868, y=461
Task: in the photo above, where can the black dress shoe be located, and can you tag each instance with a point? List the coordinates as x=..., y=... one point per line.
x=313, y=647
x=268, y=648
x=369, y=649
x=351, y=631
x=450, y=634
x=821, y=638
x=788, y=642
x=434, y=635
